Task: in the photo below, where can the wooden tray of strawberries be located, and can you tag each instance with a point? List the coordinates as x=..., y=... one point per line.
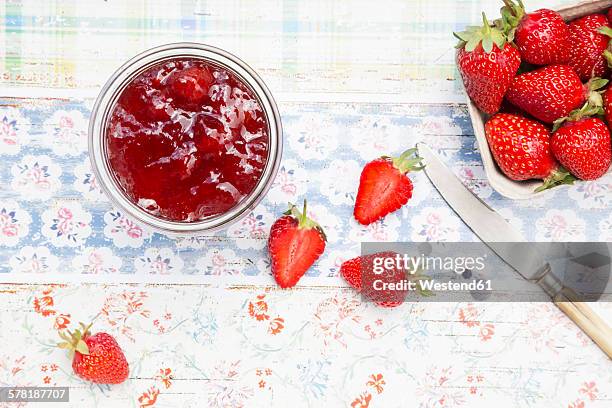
x=538, y=95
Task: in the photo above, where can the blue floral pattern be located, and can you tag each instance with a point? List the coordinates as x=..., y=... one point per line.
x=55, y=201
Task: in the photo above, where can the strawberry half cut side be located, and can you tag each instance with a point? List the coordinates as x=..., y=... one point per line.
x=295, y=243
x=384, y=186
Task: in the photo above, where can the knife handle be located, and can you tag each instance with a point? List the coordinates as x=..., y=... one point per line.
x=589, y=321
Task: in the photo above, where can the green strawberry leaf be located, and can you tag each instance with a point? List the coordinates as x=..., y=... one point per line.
x=597, y=83
x=82, y=348
x=596, y=99
x=472, y=44
x=487, y=44
x=498, y=39
x=608, y=56
x=510, y=34
x=408, y=161
x=557, y=178
x=463, y=35
x=472, y=36
x=605, y=30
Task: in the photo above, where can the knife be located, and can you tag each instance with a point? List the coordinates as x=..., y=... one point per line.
x=495, y=232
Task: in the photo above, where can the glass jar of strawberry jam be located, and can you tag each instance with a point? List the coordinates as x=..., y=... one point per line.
x=186, y=138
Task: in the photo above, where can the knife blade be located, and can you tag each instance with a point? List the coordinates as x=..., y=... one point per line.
x=492, y=229
x=510, y=245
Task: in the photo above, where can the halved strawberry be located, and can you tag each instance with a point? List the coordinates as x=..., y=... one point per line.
x=359, y=273
x=384, y=186
x=295, y=243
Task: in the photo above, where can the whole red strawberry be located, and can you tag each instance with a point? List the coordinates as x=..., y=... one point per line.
x=542, y=37
x=582, y=145
x=521, y=148
x=384, y=186
x=587, y=46
x=96, y=358
x=359, y=271
x=487, y=65
x=548, y=93
x=295, y=243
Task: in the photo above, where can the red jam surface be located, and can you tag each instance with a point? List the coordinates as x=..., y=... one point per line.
x=187, y=140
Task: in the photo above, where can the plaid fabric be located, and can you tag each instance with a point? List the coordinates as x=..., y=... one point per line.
x=389, y=49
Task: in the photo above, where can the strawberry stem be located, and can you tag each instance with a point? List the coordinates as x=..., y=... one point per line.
x=517, y=10
x=304, y=217
x=486, y=26
x=512, y=14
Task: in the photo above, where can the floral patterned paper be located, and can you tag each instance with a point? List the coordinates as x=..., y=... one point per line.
x=192, y=347
x=51, y=199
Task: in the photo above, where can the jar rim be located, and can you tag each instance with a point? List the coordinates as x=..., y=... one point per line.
x=112, y=90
